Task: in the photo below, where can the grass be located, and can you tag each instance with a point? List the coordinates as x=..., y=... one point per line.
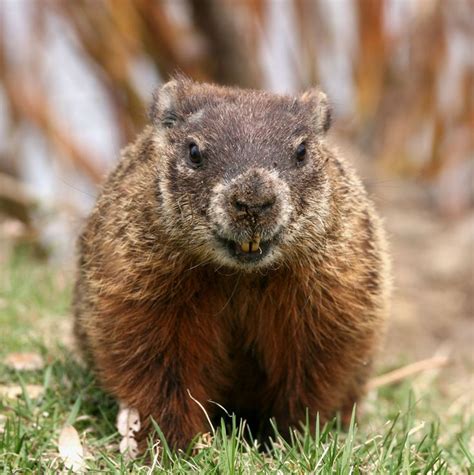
x=411, y=428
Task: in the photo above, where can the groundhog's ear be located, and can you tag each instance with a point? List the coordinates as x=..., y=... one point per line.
x=320, y=108
x=163, y=111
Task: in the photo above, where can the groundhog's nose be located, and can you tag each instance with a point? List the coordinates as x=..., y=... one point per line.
x=254, y=206
x=253, y=194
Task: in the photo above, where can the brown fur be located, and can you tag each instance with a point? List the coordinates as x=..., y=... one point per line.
x=164, y=313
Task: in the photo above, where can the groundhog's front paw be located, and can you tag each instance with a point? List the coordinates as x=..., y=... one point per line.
x=128, y=424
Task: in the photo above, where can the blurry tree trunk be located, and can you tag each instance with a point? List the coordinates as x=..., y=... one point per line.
x=370, y=65
x=312, y=34
x=232, y=58
x=15, y=201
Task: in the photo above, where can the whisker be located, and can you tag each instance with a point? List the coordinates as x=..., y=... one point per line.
x=231, y=295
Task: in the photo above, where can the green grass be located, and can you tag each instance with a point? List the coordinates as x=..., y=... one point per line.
x=410, y=428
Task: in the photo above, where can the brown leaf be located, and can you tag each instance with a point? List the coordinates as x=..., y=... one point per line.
x=70, y=449
x=24, y=361
x=33, y=391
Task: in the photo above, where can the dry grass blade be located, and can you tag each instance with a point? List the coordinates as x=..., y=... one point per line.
x=204, y=442
x=406, y=371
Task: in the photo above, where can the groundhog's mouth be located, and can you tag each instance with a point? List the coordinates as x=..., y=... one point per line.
x=249, y=251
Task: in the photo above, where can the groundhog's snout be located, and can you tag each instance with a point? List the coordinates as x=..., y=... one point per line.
x=253, y=203
x=252, y=196
x=249, y=211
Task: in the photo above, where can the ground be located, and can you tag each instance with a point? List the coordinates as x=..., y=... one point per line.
x=421, y=424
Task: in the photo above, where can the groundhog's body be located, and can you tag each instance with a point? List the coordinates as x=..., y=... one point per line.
x=246, y=267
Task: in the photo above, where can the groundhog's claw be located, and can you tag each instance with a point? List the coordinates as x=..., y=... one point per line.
x=128, y=424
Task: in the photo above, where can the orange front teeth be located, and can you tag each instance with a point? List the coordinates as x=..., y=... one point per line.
x=251, y=246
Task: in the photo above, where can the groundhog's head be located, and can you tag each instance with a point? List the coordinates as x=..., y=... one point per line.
x=242, y=179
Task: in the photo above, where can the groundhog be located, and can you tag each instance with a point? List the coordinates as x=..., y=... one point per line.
x=233, y=259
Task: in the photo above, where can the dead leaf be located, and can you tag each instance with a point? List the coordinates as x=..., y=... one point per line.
x=24, y=361
x=70, y=449
x=3, y=420
x=33, y=391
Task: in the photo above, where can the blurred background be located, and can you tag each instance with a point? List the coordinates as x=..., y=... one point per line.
x=76, y=78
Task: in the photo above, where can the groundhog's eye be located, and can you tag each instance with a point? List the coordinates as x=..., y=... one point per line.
x=195, y=154
x=301, y=152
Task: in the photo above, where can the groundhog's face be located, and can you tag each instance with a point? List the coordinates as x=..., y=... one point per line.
x=242, y=178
